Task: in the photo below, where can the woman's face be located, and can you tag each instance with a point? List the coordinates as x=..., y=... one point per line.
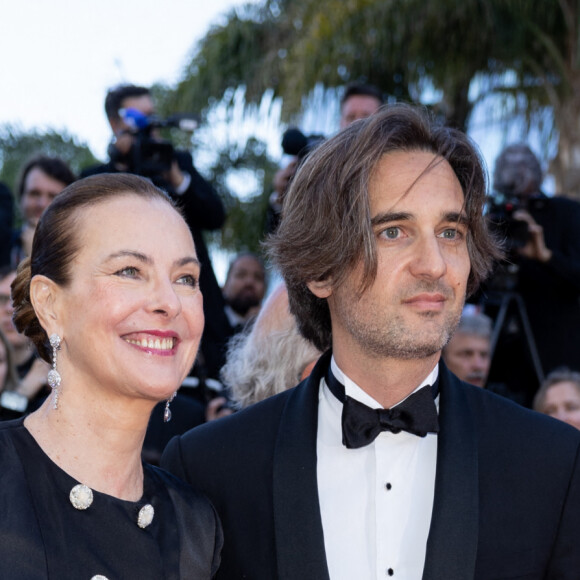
x=131, y=318
x=3, y=365
x=563, y=402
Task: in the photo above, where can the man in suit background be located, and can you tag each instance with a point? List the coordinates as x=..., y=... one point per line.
x=382, y=463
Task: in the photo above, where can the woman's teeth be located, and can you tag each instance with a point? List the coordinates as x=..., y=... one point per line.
x=156, y=344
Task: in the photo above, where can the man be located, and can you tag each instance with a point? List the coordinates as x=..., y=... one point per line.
x=543, y=272
x=41, y=180
x=381, y=238
x=359, y=101
x=130, y=105
x=468, y=353
x=243, y=292
x=6, y=220
x=244, y=288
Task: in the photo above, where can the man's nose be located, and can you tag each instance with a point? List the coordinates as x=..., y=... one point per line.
x=428, y=260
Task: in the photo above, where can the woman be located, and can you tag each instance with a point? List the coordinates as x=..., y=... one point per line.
x=110, y=299
x=559, y=396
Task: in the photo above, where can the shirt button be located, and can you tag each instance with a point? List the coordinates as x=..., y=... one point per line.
x=388, y=486
x=390, y=572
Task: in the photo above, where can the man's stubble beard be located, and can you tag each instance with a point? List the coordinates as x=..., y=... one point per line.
x=384, y=336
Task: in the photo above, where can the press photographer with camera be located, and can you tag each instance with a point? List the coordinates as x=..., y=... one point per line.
x=296, y=145
x=542, y=236
x=137, y=148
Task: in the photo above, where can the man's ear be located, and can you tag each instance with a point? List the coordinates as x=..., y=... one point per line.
x=44, y=296
x=320, y=289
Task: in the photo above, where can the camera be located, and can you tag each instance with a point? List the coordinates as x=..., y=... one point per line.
x=296, y=143
x=500, y=210
x=149, y=155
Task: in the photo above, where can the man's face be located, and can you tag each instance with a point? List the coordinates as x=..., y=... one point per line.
x=123, y=133
x=245, y=285
x=16, y=339
x=416, y=299
x=358, y=107
x=469, y=357
x=39, y=190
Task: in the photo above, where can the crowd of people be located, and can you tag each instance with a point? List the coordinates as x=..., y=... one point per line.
x=404, y=402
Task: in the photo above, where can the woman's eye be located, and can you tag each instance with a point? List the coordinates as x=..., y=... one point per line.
x=128, y=272
x=188, y=280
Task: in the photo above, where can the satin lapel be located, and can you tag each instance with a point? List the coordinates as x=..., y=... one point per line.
x=297, y=522
x=453, y=537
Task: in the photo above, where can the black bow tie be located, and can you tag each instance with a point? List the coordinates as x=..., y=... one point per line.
x=417, y=414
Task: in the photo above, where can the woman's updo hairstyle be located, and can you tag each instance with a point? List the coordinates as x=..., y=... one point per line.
x=56, y=242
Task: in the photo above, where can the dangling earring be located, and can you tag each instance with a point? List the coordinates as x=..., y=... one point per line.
x=53, y=376
x=167, y=412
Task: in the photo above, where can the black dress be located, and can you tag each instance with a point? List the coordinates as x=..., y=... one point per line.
x=42, y=535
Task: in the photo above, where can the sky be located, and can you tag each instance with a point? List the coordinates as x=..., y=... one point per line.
x=59, y=57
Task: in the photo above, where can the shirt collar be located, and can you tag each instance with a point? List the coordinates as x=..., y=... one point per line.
x=354, y=391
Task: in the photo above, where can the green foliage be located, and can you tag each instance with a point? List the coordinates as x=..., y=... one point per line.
x=406, y=47
x=246, y=217
x=447, y=54
x=17, y=146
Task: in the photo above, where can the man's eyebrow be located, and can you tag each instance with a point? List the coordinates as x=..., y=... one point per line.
x=386, y=217
x=456, y=217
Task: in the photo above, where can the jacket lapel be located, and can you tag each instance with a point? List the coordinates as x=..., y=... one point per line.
x=453, y=537
x=297, y=522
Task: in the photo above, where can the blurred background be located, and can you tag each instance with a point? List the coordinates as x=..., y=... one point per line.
x=502, y=70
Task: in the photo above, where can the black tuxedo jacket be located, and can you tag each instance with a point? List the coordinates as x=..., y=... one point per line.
x=507, y=488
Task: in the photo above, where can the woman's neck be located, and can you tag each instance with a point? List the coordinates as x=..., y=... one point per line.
x=100, y=449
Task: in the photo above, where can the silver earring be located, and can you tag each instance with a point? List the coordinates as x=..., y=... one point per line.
x=53, y=376
x=167, y=412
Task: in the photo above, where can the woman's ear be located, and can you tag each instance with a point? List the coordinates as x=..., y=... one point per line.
x=320, y=289
x=44, y=294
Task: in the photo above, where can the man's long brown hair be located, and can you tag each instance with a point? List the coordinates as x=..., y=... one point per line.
x=326, y=228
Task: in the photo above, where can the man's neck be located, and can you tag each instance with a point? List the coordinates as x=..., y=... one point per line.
x=387, y=380
x=236, y=318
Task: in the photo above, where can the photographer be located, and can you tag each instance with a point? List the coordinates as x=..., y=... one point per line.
x=136, y=148
x=545, y=257
x=297, y=145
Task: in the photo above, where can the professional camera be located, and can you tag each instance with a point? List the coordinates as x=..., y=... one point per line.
x=500, y=210
x=149, y=155
x=295, y=143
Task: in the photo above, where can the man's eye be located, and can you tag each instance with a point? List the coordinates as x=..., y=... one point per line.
x=451, y=234
x=392, y=233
